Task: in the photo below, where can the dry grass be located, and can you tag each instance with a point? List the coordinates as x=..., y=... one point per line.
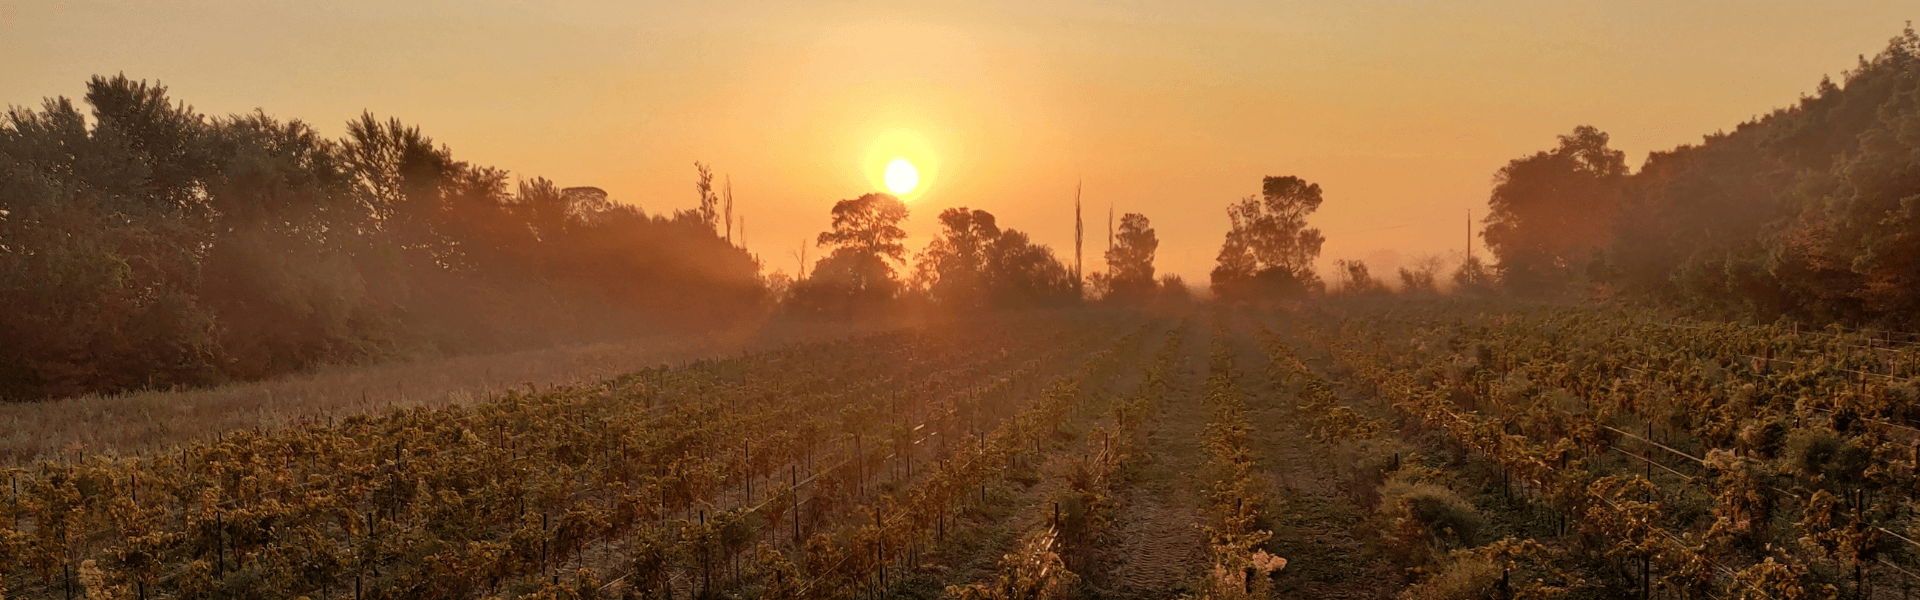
x=150, y=420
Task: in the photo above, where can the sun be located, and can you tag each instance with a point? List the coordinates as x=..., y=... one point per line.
x=901, y=176
x=901, y=161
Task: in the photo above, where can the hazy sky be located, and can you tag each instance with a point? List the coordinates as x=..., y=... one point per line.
x=1402, y=111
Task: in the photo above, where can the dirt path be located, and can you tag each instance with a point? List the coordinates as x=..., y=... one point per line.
x=1156, y=546
x=1022, y=503
x=1317, y=528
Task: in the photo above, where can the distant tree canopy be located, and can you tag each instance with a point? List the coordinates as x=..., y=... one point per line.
x=1356, y=279
x=1130, y=261
x=858, y=273
x=1475, y=277
x=974, y=264
x=1269, y=250
x=1552, y=212
x=156, y=246
x=954, y=267
x=1811, y=212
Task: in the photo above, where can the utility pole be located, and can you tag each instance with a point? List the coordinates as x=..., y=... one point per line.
x=728, y=200
x=1469, y=234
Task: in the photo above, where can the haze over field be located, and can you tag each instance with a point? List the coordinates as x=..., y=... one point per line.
x=985, y=301
x=1402, y=111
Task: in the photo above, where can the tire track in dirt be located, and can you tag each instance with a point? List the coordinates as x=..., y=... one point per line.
x=1023, y=500
x=1319, y=529
x=1156, y=546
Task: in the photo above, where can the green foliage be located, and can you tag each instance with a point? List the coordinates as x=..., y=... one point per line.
x=157, y=247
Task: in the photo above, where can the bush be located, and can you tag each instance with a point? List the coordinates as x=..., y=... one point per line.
x=1424, y=518
x=1466, y=578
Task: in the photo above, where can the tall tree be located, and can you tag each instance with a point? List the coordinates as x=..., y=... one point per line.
x=708, y=213
x=1130, y=261
x=1022, y=273
x=858, y=273
x=1553, y=211
x=101, y=241
x=974, y=264
x=1269, y=250
x=954, y=267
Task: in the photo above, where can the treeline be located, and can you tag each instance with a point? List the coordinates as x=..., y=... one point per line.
x=152, y=246
x=1811, y=212
x=971, y=265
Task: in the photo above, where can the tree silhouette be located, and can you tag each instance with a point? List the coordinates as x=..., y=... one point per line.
x=1474, y=277
x=708, y=213
x=1130, y=261
x=858, y=273
x=1023, y=273
x=953, y=268
x=1553, y=211
x=1269, y=250
x=974, y=264
x=161, y=247
x=1355, y=279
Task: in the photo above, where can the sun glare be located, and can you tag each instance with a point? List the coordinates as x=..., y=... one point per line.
x=901, y=176
x=902, y=161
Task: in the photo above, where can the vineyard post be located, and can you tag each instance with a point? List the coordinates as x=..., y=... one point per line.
x=706, y=567
x=1650, y=461
x=794, y=491
x=1646, y=578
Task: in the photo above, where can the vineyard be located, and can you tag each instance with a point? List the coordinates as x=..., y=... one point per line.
x=1406, y=449
x=1560, y=452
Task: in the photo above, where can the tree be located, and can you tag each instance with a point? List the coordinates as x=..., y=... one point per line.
x=953, y=268
x=100, y=244
x=1269, y=250
x=974, y=264
x=1422, y=279
x=1356, y=280
x=1473, y=277
x=1551, y=213
x=1174, y=289
x=1022, y=273
x=708, y=212
x=858, y=274
x=1130, y=261
x=159, y=247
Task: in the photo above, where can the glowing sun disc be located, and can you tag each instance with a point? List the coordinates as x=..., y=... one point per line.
x=901, y=176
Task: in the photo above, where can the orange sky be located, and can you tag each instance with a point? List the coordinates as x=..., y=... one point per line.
x=1402, y=111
